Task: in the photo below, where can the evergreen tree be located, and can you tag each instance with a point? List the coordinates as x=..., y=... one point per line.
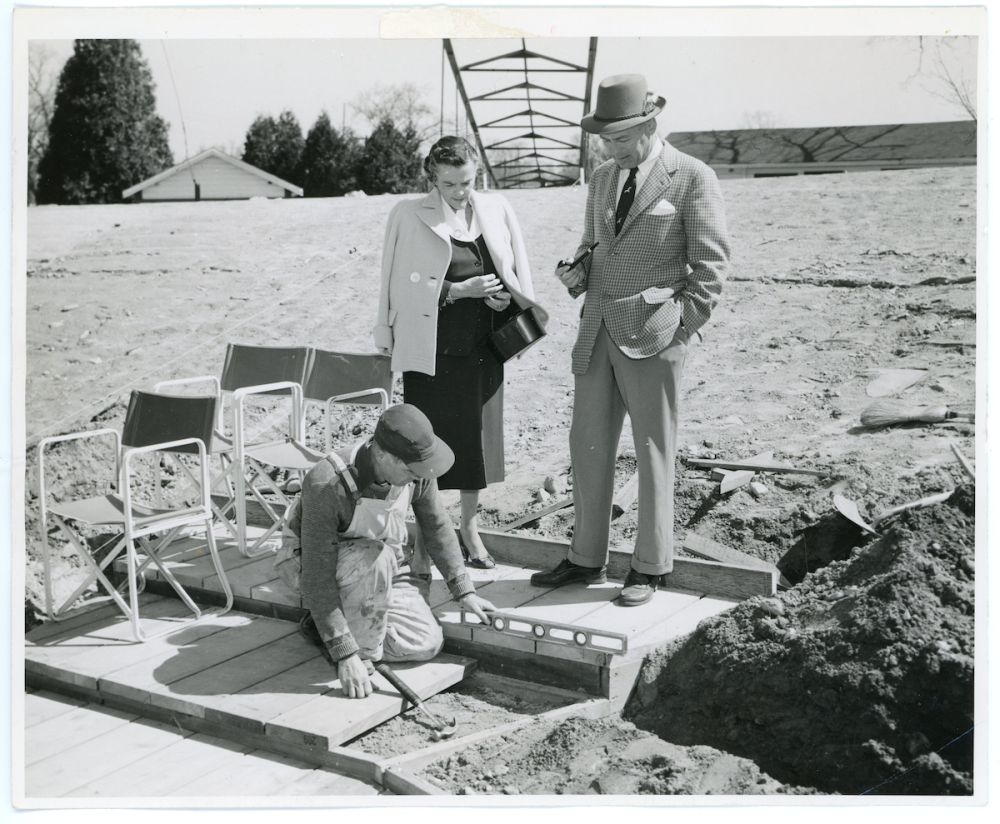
x=390, y=162
x=105, y=135
x=329, y=160
x=275, y=146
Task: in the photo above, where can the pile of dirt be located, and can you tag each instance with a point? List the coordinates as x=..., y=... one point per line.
x=858, y=680
x=596, y=757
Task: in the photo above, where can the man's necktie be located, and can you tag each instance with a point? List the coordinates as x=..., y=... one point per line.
x=625, y=200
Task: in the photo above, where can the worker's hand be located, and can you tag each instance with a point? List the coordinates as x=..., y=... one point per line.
x=481, y=286
x=353, y=675
x=571, y=278
x=478, y=606
x=499, y=301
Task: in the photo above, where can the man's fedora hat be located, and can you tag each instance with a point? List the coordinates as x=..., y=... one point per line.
x=623, y=101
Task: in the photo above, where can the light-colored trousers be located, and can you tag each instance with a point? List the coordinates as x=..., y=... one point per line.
x=387, y=615
x=647, y=389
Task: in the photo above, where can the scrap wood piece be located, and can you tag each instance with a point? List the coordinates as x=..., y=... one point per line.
x=734, y=480
x=531, y=517
x=894, y=381
x=702, y=547
x=959, y=343
x=964, y=462
x=625, y=497
x=941, y=280
x=761, y=466
x=922, y=503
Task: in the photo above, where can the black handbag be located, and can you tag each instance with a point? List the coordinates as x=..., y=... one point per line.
x=517, y=334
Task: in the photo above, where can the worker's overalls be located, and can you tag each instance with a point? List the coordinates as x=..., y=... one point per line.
x=387, y=615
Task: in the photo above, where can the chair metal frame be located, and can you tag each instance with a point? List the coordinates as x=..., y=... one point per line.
x=139, y=523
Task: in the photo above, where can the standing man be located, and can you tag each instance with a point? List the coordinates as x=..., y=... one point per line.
x=651, y=283
x=344, y=548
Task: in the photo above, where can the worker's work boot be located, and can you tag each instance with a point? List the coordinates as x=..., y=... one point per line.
x=639, y=588
x=569, y=573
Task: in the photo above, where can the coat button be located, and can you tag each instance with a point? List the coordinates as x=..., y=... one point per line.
x=414, y=277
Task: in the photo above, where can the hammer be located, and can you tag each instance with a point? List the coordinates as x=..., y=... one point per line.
x=442, y=729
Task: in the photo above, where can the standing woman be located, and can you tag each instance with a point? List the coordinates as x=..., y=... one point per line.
x=454, y=269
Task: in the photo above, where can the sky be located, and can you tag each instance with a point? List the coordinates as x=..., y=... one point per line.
x=212, y=89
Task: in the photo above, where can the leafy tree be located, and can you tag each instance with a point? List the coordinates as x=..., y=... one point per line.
x=390, y=161
x=275, y=146
x=104, y=135
x=329, y=160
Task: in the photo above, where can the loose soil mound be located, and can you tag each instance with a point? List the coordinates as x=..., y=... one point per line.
x=604, y=757
x=858, y=680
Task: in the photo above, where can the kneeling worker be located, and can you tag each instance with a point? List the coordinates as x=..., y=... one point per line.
x=347, y=535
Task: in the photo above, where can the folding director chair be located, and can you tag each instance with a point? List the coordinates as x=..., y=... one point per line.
x=154, y=423
x=331, y=378
x=253, y=371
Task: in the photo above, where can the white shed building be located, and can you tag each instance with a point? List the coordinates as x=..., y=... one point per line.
x=211, y=175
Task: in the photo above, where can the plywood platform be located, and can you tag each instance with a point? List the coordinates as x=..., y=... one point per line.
x=247, y=677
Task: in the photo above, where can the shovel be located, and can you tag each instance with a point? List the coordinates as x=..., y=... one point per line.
x=849, y=509
x=442, y=729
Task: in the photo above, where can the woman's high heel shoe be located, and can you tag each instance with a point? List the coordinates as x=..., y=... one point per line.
x=476, y=563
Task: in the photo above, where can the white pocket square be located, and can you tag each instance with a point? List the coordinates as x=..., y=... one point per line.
x=664, y=207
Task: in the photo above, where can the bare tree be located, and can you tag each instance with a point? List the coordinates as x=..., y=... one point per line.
x=42, y=81
x=402, y=104
x=949, y=79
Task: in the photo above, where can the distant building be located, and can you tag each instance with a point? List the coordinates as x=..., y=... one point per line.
x=833, y=149
x=211, y=175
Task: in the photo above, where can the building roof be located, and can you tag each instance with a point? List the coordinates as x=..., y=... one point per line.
x=198, y=158
x=832, y=144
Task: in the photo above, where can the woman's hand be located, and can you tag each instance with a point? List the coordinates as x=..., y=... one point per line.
x=499, y=301
x=481, y=286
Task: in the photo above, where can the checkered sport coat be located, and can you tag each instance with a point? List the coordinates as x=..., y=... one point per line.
x=674, y=238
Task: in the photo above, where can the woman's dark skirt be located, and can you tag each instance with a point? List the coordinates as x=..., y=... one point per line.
x=464, y=403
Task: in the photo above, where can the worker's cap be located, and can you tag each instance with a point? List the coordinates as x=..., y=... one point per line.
x=405, y=432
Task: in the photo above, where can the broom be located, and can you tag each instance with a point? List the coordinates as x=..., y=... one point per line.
x=890, y=412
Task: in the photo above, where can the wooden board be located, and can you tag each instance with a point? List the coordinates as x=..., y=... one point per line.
x=258, y=773
x=103, y=648
x=714, y=551
x=332, y=719
x=322, y=782
x=252, y=707
x=43, y=705
x=763, y=466
x=714, y=579
x=531, y=517
x=162, y=771
x=149, y=680
x=213, y=686
x=79, y=764
x=81, y=724
x=680, y=624
x=625, y=497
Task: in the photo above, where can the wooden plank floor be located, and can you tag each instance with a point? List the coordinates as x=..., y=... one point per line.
x=243, y=672
x=668, y=615
x=77, y=750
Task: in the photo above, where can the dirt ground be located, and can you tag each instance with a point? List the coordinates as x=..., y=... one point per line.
x=475, y=704
x=826, y=289
x=605, y=757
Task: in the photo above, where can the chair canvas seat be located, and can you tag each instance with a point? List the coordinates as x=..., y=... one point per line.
x=104, y=510
x=286, y=454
